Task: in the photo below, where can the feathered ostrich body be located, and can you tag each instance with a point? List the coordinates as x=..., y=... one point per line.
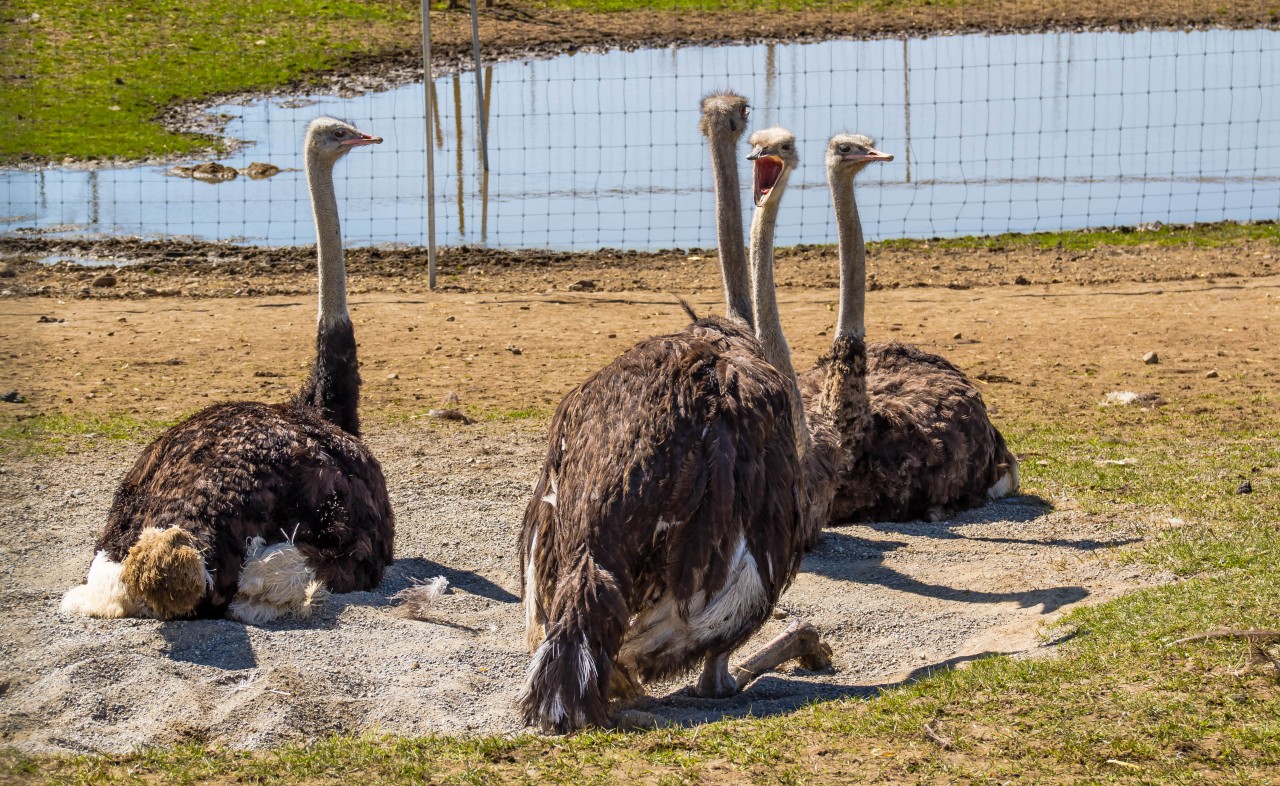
x=256, y=507
x=915, y=437
x=668, y=516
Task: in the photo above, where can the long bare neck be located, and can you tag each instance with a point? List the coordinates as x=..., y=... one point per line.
x=851, y=320
x=333, y=272
x=764, y=299
x=733, y=254
x=333, y=386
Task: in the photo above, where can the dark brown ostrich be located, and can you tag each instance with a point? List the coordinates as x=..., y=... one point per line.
x=916, y=440
x=668, y=516
x=252, y=509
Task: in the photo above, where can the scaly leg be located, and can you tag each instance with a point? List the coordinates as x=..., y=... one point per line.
x=800, y=640
x=715, y=682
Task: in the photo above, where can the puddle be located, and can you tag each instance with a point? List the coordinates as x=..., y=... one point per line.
x=992, y=134
x=54, y=259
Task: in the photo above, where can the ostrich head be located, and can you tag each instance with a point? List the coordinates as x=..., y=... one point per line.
x=724, y=112
x=848, y=154
x=331, y=138
x=773, y=152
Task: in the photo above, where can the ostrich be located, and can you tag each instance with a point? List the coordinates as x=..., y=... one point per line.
x=774, y=157
x=915, y=437
x=724, y=116
x=252, y=509
x=667, y=518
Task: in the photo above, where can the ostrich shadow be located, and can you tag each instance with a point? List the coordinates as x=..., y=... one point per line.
x=782, y=694
x=1018, y=509
x=409, y=571
x=842, y=557
x=219, y=643
x=225, y=644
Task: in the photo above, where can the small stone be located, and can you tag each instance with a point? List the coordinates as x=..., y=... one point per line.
x=1151, y=358
x=393, y=375
x=583, y=285
x=45, y=319
x=105, y=280
x=958, y=336
x=1245, y=488
x=513, y=349
x=450, y=319
x=123, y=319
x=612, y=335
x=1022, y=281
x=1211, y=374
x=13, y=397
x=415, y=665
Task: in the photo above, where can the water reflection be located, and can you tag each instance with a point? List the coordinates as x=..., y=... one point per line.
x=994, y=133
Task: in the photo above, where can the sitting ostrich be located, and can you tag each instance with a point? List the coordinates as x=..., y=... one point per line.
x=252, y=509
x=667, y=518
x=915, y=437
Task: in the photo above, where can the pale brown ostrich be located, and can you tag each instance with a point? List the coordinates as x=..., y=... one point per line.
x=667, y=518
x=252, y=509
x=774, y=156
x=915, y=437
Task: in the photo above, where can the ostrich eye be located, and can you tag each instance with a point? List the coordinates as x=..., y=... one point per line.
x=844, y=148
x=340, y=133
x=746, y=112
x=786, y=145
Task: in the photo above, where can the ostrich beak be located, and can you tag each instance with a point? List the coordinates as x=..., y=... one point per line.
x=764, y=175
x=362, y=140
x=755, y=153
x=871, y=155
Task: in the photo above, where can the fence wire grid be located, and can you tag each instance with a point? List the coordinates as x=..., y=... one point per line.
x=993, y=133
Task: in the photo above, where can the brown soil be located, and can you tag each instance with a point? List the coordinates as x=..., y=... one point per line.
x=517, y=338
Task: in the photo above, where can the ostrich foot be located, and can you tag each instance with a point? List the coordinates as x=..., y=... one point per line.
x=638, y=720
x=716, y=682
x=800, y=640
x=624, y=685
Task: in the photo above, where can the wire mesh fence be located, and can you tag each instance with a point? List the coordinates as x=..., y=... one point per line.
x=993, y=133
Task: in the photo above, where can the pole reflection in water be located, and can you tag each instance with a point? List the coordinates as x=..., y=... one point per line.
x=457, y=115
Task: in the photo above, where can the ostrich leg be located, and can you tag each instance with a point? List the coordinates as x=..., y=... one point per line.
x=799, y=641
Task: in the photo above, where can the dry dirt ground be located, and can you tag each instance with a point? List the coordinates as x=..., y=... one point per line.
x=892, y=599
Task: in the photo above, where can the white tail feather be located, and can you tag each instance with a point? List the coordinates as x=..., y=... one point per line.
x=275, y=582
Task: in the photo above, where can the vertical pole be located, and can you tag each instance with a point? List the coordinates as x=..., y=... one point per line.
x=427, y=91
x=481, y=122
x=906, y=104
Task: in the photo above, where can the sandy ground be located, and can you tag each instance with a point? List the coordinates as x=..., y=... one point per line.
x=892, y=599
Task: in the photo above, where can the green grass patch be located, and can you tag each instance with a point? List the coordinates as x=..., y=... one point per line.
x=58, y=432
x=89, y=80
x=1174, y=235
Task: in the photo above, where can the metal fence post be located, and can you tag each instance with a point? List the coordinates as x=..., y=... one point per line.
x=482, y=122
x=431, y=170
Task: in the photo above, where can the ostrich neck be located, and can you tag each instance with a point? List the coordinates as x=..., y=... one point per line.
x=765, y=303
x=853, y=260
x=333, y=386
x=333, y=273
x=733, y=254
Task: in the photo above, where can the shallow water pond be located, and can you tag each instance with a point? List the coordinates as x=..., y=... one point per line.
x=992, y=134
